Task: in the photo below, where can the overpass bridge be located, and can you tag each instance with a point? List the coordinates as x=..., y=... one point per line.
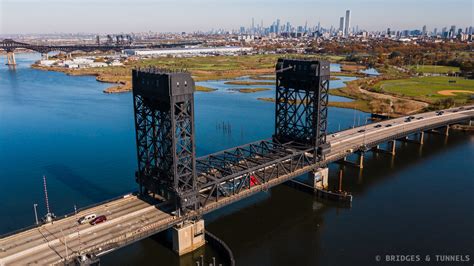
x=10, y=46
x=191, y=188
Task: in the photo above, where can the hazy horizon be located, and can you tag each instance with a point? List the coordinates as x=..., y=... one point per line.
x=109, y=16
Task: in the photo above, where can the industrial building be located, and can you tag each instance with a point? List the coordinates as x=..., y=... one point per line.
x=189, y=51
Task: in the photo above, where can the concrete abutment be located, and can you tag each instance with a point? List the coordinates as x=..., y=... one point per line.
x=188, y=236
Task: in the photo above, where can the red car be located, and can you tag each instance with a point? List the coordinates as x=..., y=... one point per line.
x=98, y=220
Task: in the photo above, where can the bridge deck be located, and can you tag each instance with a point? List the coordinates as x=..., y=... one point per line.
x=131, y=219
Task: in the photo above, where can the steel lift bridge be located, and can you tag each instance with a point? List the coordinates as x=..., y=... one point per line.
x=165, y=135
x=191, y=187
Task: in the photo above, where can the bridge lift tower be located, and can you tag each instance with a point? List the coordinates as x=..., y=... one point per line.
x=301, y=105
x=164, y=124
x=301, y=108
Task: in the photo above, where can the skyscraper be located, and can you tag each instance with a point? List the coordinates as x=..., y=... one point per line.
x=347, y=27
x=341, y=24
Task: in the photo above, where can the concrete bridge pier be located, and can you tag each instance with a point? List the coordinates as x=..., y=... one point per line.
x=44, y=56
x=359, y=163
x=188, y=236
x=391, y=149
x=442, y=131
x=419, y=141
x=11, y=61
x=320, y=178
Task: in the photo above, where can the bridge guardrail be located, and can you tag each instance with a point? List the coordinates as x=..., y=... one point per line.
x=66, y=215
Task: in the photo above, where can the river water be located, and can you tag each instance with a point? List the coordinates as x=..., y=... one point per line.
x=419, y=202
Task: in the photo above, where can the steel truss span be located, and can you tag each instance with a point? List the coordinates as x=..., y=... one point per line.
x=10, y=45
x=230, y=172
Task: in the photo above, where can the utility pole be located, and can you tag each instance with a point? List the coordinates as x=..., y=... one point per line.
x=77, y=229
x=49, y=215
x=36, y=213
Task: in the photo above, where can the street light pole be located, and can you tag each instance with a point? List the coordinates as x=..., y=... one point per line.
x=77, y=229
x=365, y=127
x=65, y=244
x=36, y=213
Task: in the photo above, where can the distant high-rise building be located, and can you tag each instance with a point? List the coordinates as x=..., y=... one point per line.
x=347, y=27
x=424, y=31
x=388, y=31
x=278, y=26
x=452, y=31
x=341, y=24
x=435, y=31
x=253, y=24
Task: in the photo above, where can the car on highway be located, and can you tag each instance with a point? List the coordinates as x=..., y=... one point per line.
x=439, y=112
x=87, y=218
x=419, y=118
x=377, y=126
x=335, y=135
x=361, y=131
x=388, y=125
x=98, y=220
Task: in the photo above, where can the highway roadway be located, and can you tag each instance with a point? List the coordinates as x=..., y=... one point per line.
x=352, y=139
x=47, y=244
x=130, y=218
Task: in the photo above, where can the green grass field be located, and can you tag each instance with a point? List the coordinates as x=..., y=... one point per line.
x=434, y=69
x=428, y=88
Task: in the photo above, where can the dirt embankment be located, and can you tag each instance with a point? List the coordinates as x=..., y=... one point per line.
x=123, y=82
x=369, y=101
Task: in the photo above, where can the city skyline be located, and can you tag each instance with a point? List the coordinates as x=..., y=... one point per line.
x=166, y=16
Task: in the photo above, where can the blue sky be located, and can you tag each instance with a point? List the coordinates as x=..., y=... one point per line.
x=112, y=16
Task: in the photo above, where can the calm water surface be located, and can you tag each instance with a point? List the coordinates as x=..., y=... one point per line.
x=419, y=202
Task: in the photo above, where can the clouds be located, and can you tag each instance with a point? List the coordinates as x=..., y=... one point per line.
x=47, y=16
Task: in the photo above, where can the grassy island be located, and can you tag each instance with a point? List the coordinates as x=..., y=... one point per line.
x=249, y=83
x=250, y=90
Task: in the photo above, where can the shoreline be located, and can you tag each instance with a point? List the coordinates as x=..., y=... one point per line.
x=122, y=86
x=361, y=90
